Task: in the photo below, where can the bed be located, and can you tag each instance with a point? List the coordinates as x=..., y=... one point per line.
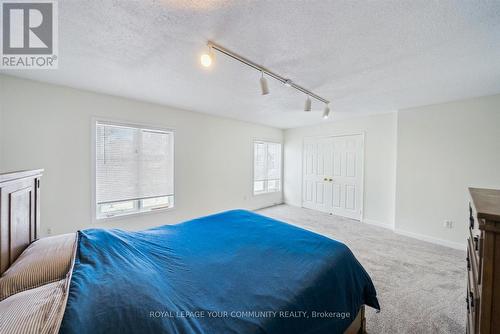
x=231, y=272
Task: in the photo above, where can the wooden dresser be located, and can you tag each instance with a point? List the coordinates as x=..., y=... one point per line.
x=483, y=262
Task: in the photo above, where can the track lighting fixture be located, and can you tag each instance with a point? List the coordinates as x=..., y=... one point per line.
x=326, y=113
x=208, y=58
x=307, y=106
x=263, y=85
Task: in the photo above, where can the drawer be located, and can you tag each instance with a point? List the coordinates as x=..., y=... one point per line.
x=467, y=326
x=470, y=322
x=475, y=244
x=470, y=319
x=473, y=304
x=472, y=267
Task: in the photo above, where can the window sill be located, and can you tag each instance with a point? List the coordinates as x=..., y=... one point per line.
x=130, y=215
x=267, y=193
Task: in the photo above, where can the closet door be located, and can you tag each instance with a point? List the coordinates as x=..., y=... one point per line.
x=347, y=176
x=317, y=166
x=333, y=175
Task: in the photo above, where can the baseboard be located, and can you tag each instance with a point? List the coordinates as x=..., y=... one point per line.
x=267, y=206
x=442, y=242
x=437, y=241
x=379, y=224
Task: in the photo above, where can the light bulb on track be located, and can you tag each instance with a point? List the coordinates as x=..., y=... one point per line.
x=264, y=88
x=307, y=106
x=206, y=60
x=326, y=113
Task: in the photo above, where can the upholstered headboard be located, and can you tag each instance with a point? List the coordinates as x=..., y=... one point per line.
x=19, y=213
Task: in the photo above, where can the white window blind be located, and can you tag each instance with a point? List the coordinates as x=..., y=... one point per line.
x=134, y=169
x=267, y=167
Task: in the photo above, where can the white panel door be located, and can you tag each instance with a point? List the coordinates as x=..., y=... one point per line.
x=333, y=175
x=347, y=176
x=316, y=168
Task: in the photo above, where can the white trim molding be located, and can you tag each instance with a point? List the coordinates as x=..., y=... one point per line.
x=389, y=226
x=379, y=224
x=437, y=241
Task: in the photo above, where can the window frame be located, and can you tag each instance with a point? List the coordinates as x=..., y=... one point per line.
x=93, y=165
x=267, y=192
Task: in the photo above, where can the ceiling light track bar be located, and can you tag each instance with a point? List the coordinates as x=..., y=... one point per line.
x=264, y=70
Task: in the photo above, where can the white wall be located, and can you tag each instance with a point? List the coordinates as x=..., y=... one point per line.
x=418, y=162
x=418, y=165
x=380, y=157
x=47, y=126
x=442, y=150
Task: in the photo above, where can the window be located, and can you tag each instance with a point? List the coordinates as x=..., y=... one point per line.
x=267, y=167
x=134, y=169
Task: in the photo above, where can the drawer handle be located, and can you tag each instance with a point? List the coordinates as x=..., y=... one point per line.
x=476, y=243
x=468, y=263
x=471, y=299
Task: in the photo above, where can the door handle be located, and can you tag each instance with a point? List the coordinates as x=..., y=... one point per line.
x=325, y=179
x=330, y=180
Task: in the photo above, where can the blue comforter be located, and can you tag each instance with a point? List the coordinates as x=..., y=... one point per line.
x=233, y=272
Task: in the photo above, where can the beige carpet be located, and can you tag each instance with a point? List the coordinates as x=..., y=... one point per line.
x=421, y=286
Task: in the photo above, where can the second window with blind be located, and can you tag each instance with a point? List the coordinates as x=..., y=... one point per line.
x=267, y=167
x=134, y=169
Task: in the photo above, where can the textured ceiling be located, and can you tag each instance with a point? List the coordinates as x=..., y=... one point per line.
x=365, y=56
